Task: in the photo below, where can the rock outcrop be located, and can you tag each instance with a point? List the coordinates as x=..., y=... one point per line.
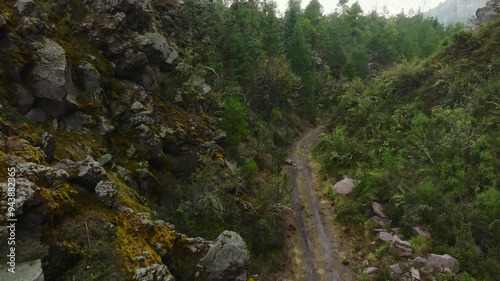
x=227, y=259
x=155, y=272
x=445, y=261
x=488, y=13
x=345, y=185
x=53, y=87
x=26, y=271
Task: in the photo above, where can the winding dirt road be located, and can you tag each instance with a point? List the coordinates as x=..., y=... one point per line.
x=316, y=254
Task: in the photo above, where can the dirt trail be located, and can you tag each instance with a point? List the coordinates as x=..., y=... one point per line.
x=316, y=254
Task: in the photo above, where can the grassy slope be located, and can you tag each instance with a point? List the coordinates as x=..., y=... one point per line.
x=424, y=139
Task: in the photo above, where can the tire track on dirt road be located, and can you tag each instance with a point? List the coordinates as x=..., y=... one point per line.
x=319, y=261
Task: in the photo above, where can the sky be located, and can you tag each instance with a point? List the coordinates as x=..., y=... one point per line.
x=394, y=6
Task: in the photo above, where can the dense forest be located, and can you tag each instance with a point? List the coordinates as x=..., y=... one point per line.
x=190, y=108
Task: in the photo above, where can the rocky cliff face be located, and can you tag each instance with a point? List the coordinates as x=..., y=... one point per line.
x=452, y=11
x=100, y=111
x=488, y=13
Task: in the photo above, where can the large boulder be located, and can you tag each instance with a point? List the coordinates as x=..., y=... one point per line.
x=52, y=85
x=400, y=247
x=27, y=194
x=90, y=172
x=89, y=78
x=445, y=261
x=227, y=259
x=106, y=192
x=162, y=51
x=87, y=172
x=26, y=271
x=345, y=185
x=40, y=174
x=385, y=236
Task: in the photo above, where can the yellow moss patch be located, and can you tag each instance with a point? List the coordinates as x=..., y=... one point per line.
x=133, y=238
x=127, y=196
x=67, y=147
x=220, y=156
x=53, y=199
x=25, y=150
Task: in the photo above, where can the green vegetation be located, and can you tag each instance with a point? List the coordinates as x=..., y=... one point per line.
x=424, y=140
x=234, y=122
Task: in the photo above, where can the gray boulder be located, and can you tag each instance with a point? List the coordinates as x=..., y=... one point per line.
x=137, y=106
x=370, y=270
x=87, y=172
x=162, y=50
x=106, y=126
x=53, y=87
x=105, y=159
x=419, y=260
x=26, y=271
x=415, y=273
x=155, y=272
x=443, y=261
x=400, y=247
x=27, y=194
x=417, y=230
x=345, y=185
x=106, y=192
x=200, y=86
x=89, y=78
x=227, y=259
x=25, y=6
x=90, y=172
x=385, y=236
x=382, y=222
x=378, y=209
x=395, y=271
x=40, y=174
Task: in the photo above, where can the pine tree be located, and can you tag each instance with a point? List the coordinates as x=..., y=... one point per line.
x=270, y=30
x=234, y=121
x=313, y=13
x=300, y=56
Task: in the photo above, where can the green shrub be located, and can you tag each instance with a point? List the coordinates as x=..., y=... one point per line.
x=420, y=245
x=250, y=171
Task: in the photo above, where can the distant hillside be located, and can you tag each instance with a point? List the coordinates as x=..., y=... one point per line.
x=451, y=11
